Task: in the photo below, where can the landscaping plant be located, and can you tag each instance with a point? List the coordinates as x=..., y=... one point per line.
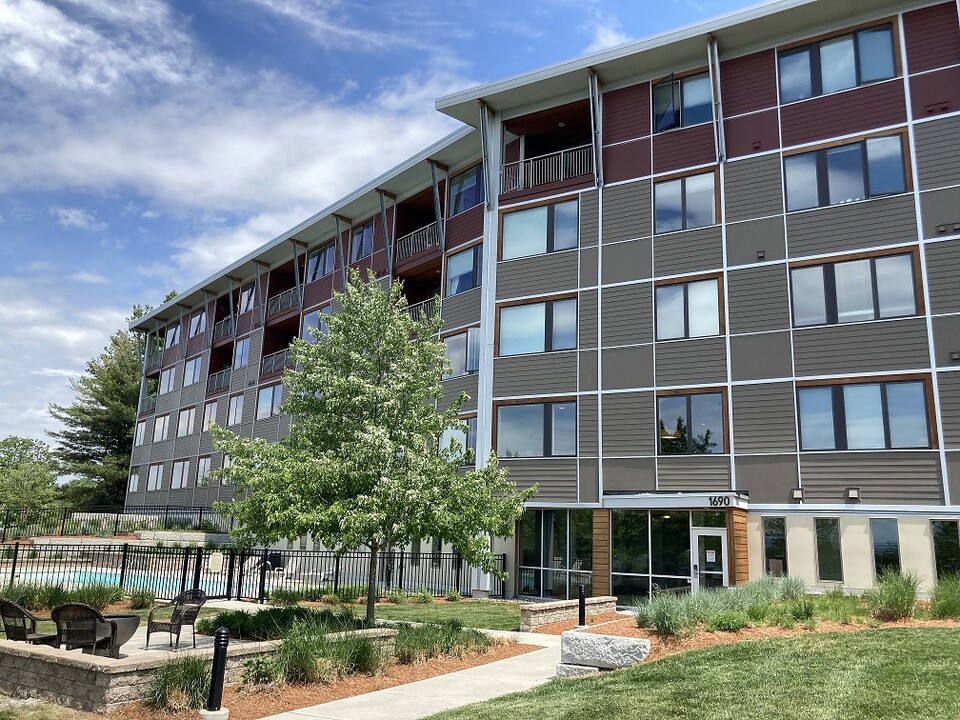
x=285, y=598
x=423, y=597
x=945, y=598
x=141, y=599
x=728, y=622
x=895, y=596
x=453, y=596
x=414, y=644
x=179, y=685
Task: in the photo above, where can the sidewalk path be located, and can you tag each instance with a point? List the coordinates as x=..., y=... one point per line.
x=426, y=697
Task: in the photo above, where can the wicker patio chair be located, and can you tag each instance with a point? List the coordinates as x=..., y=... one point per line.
x=83, y=626
x=20, y=624
x=186, y=606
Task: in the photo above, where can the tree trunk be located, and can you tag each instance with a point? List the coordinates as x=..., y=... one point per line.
x=372, y=584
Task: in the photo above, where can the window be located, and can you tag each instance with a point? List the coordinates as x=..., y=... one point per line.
x=537, y=430
x=775, y=546
x=686, y=310
x=179, y=478
x=209, y=415
x=134, y=482
x=415, y=552
x=225, y=465
x=538, y=327
x=946, y=547
x=886, y=544
x=463, y=353
x=161, y=426
x=854, y=290
x=268, y=401
x=198, y=322
x=829, y=560
x=466, y=190
x=684, y=203
x=235, y=410
x=837, y=64
x=681, y=103
x=172, y=335
x=845, y=173
x=166, y=381
x=241, y=353
x=361, y=242
x=154, y=477
x=467, y=439
x=314, y=320
x=556, y=553
x=321, y=262
x=464, y=270
x=691, y=424
x=140, y=433
x=185, y=422
x=203, y=469
x=864, y=416
x=548, y=228
x=191, y=371
x=247, y=295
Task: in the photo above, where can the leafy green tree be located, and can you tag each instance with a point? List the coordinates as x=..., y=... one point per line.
x=28, y=474
x=363, y=465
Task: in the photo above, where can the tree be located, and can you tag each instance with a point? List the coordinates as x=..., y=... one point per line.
x=28, y=474
x=363, y=465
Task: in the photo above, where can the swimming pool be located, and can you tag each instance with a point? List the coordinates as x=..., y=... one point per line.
x=164, y=585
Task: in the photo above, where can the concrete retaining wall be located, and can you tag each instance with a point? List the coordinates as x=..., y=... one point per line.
x=533, y=615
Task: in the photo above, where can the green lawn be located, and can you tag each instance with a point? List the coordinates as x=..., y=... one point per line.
x=490, y=614
x=865, y=675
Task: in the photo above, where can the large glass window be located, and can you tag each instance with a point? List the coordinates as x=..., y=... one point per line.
x=268, y=401
x=946, y=547
x=241, y=353
x=198, y=322
x=837, y=64
x=247, y=298
x=829, y=558
x=463, y=352
x=684, y=203
x=185, y=422
x=361, y=242
x=134, y=482
x=315, y=320
x=203, y=469
x=235, y=410
x=538, y=327
x=464, y=270
x=161, y=428
x=686, y=310
x=556, y=553
x=154, y=477
x=166, y=380
x=775, y=546
x=140, y=433
x=650, y=550
x=864, y=416
x=466, y=190
x=321, y=262
x=191, y=371
x=209, y=415
x=537, y=430
x=681, y=103
x=886, y=544
x=178, y=480
x=548, y=228
x=691, y=424
x=846, y=173
x=172, y=335
x=466, y=439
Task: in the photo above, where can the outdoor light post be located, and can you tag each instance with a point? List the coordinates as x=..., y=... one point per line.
x=221, y=639
x=582, y=616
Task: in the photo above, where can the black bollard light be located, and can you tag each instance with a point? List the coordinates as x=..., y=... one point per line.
x=582, y=618
x=220, y=641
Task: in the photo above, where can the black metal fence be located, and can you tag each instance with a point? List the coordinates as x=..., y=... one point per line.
x=240, y=574
x=107, y=522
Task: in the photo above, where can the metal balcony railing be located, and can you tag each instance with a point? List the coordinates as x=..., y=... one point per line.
x=275, y=362
x=423, y=310
x=224, y=328
x=546, y=169
x=418, y=241
x=284, y=301
x=148, y=404
x=218, y=380
x=153, y=360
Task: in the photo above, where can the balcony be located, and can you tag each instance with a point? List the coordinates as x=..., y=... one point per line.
x=148, y=404
x=546, y=169
x=153, y=360
x=284, y=301
x=218, y=381
x=423, y=311
x=275, y=362
x=418, y=241
x=224, y=328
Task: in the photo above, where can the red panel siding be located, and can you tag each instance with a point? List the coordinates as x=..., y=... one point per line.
x=626, y=161
x=933, y=37
x=245, y=323
x=465, y=226
x=195, y=344
x=843, y=113
x=935, y=92
x=626, y=113
x=511, y=153
x=171, y=355
x=577, y=183
x=379, y=261
x=750, y=134
x=684, y=148
x=318, y=292
x=749, y=83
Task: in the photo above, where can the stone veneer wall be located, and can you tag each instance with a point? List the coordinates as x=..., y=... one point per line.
x=533, y=615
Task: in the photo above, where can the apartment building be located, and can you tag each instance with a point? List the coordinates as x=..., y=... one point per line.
x=702, y=289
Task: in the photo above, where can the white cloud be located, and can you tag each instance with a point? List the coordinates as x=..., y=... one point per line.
x=150, y=214
x=603, y=28
x=77, y=218
x=88, y=277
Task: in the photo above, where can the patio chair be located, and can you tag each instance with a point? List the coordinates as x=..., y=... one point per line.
x=82, y=626
x=20, y=624
x=186, y=606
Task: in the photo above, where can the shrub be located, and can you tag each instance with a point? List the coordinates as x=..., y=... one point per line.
x=728, y=622
x=642, y=611
x=397, y=598
x=357, y=655
x=453, y=596
x=260, y=670
x=945, y=598
x=181, y=684
x=667, y=614
x=791, y=587
x=430, y=640
x=330, y=599
x=141, y=599
x=802, y=609
x=300, y=658
x=423, y=597
x=98, y=596
x=284, y=598
x=351, y=593
x=25, y=595
x=49, y=596
x=276, y=622
x=894, y=597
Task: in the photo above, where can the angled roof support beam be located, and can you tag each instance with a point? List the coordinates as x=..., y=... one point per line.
x=713, y=62
x=485, y=152
x=344, y=274
x=389, y=237
x=596, y=126
x=438, y=208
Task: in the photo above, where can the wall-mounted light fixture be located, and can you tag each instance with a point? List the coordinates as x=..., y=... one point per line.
x=853, y=493
x=761, y=254
x=796, y=494
x=955, y=356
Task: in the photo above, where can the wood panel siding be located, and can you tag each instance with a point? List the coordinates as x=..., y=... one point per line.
x=182, y=446
x=454, y=386
x=556, y=477
x=746, y=239
x=696, y=473
x=738, y=567
x=538, y=274
x=601, y=553
x=588, y=370
x=465, y=226
x=759, y=299
x=691, y=362
x=843, y=113
x=749, y=83
x=683, y=148
x=319, y=292
x=511, y=151
x=461, y=309
x=587, y=308
x=267, y=429
x=629, y=424
x=943, y=269
x=589, y=266
x=940, y=211
x=626, y=161
x=688, y=251
x=871, y=223
x=949, y=383
x=753, y=188
x=761, y=356
x=627, y=367
x=953, y=474
x=539, y=374
x=901, y=478
x=946, y=339
x=245, y=322
x=630, y=474
x=588, y=419
x=764, y=418
x=588, y=480
x=628, y=314
x=195, y=344
x=626, y=113
x=767, y=478
x=627, y=261
x=863, y=347
x=751, y=134
x=627, y=212
x=938, y=152
x=589, y=218
x=936, y=92
x=933, y=39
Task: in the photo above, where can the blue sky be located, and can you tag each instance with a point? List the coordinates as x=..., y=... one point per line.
x=146, y=143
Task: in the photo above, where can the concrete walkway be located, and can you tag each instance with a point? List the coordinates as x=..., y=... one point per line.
x=426, y=697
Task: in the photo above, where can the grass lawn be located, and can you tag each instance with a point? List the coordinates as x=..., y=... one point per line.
x=40, y=711
x=493, y=615
x=866, y=675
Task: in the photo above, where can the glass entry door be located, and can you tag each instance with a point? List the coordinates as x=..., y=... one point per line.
x=709, y=554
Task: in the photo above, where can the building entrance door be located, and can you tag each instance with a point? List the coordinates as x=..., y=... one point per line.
x=708, y=550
